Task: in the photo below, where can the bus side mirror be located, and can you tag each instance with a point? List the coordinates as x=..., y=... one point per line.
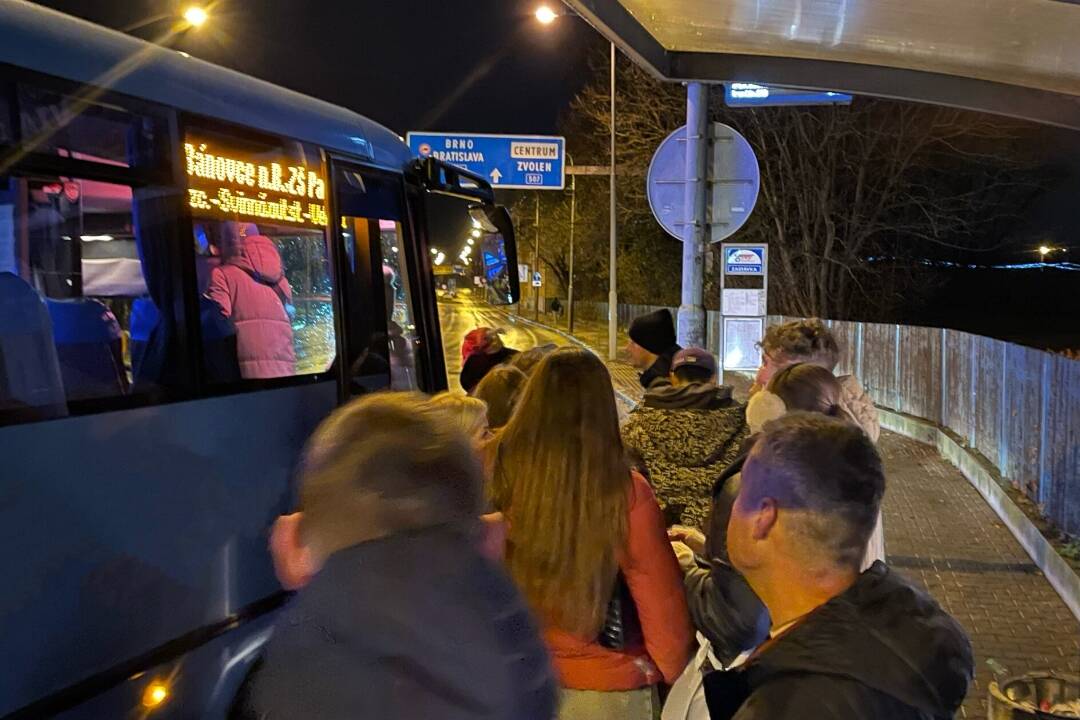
x=499, y=253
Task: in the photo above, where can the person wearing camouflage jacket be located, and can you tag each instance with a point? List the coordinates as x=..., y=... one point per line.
x=683, y=435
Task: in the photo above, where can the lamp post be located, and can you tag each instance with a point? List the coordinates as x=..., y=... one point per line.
x=570, y=283
x=546, y=15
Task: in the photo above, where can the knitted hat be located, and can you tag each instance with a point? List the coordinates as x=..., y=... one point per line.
x=478, y=340
x=655, y=332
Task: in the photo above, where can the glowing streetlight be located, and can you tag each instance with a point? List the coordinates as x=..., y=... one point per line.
x=196, y=16
x=545, y=15
x=476, y=233
x=1044, y=251
x=470, y=241
x=440, y=258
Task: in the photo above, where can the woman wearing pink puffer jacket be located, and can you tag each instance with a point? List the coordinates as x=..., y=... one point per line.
x=250, y=288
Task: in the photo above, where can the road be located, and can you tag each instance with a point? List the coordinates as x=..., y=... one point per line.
x=459, y=315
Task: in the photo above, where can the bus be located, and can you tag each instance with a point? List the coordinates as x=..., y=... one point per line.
x=196, y=267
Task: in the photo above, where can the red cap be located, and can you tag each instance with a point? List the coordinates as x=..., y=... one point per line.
x=477, y=340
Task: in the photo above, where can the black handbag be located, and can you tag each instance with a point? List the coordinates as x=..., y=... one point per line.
x=622, y=626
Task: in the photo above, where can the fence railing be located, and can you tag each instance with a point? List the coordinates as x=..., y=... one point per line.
x=1016, y=406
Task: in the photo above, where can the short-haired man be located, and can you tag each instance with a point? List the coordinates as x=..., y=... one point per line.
x=399, y=614
x=652, y=346
x=811, y=341
x=842, y=644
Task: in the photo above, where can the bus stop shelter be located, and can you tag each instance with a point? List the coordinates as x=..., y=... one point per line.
x=1018, y=58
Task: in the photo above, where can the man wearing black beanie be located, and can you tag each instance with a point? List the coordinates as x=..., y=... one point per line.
x=652, y=346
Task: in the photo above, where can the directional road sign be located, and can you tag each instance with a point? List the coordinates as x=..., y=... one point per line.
x=516, y=162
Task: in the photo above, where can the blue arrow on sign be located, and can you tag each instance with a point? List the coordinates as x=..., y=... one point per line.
x=515, y=162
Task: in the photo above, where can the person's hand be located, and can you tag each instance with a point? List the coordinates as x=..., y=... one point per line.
x=692, y=538
x=684, y=555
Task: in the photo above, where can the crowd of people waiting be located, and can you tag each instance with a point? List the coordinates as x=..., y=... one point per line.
x=503, y=554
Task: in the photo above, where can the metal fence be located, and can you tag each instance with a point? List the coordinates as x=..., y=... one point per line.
x=1016, y=406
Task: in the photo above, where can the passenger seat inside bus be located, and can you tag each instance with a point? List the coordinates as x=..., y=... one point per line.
x=144, y=318
x=30, y=382
x=88, y=346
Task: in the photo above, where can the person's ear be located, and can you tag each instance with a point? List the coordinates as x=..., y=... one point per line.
x=764, y=519
x=294, y=563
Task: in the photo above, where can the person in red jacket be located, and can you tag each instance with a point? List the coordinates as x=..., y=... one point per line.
x=250, y=288
x=587, y=544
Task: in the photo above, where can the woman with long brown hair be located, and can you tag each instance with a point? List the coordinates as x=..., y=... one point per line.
x=587, y=544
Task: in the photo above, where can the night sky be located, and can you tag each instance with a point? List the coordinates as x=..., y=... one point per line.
x=460, y=65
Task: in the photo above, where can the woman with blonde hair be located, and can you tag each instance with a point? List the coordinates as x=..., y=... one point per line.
x=587, y=544
x=467, y=414
x=500, y=389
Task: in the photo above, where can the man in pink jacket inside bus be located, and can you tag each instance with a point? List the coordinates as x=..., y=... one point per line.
x=250, y=288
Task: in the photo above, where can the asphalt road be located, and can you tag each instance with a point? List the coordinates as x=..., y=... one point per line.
x=459, y=315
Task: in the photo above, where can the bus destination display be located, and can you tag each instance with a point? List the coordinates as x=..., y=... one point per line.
x=222, y=183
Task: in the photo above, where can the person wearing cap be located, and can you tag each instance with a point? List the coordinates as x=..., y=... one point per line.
x=482, y=350
x=652, y=345
x=684, y=432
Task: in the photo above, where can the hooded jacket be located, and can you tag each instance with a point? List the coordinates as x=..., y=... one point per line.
x=412, y=626
x=883, y=649
x=251, y=289
x=683, y=438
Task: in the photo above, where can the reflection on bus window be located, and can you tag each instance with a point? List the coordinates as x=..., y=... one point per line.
x=400, y=321
x=99, y=133
x=70, y=279
x=267, y=290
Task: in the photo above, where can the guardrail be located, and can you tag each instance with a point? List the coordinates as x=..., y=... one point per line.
x=1018, y=407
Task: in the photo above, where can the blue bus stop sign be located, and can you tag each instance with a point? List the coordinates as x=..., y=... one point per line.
x=733, y=182
x=515, y=162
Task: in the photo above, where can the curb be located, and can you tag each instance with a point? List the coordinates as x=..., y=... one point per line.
x=1058, y=572
x=622, y=397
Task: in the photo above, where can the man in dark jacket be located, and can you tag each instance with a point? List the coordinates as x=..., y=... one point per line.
x=652, y=346
x=399, y=614
x=842, y=644
x=684, y=433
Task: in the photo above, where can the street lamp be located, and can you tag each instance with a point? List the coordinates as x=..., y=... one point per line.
x=545, y=15
x=196, y=16
x=193, y=17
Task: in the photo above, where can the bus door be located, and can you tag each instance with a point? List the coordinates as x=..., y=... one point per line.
x=379, y=292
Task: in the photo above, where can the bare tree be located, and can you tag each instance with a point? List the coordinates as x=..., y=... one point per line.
x=856, y=201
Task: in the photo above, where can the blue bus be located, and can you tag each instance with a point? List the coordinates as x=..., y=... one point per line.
x=195, y=268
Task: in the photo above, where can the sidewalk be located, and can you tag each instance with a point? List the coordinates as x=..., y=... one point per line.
x=942, y=535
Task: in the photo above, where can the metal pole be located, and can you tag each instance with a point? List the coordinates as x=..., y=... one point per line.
x=570, y=284
x=692, y=310
x=536, y=260
x=613, y=294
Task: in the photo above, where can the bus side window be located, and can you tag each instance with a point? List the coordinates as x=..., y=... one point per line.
x=373, y=236
x=75, y=243
x=266, y=307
